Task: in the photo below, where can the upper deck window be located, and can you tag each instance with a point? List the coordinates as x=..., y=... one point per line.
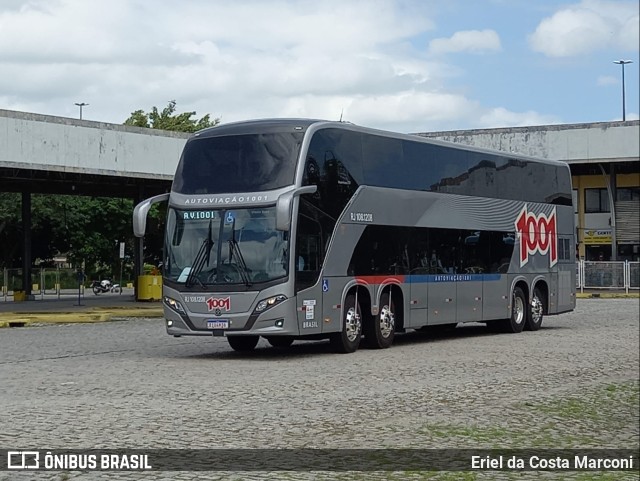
x=238, y=163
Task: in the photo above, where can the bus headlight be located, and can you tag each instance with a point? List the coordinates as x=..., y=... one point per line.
x=265, y=304
x=173, y=304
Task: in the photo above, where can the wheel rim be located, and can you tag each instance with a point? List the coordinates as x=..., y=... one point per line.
x=536, y=310
x=387, y=321
x=352, y=324
x=518, y=309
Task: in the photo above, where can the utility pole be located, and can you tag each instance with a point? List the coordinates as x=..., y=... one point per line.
x=81, y=104
x=622, y=63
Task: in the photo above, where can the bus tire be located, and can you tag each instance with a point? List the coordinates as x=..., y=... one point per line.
x=381, y=329
x=243, y=343
x=348, y=339
x=536, y=311
x=516, y=322
x=281, y=342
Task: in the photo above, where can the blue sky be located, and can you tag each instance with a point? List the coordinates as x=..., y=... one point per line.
x=579, y=85
x=402, y=65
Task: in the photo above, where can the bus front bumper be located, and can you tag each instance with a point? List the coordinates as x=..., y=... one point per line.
x=278, y=321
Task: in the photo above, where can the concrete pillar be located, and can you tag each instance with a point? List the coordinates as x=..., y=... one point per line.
x=613, y=185
x=26, y=238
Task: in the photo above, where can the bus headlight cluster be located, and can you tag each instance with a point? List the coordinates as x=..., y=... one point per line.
x=173, y=304
x=265, y=304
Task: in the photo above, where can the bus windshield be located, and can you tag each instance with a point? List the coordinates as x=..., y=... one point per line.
x=213, y=247
x=237, y=163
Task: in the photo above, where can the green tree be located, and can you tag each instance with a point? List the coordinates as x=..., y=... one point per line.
x=169, y=120
x=101, y=224
x=86, y=229
x=10, y=230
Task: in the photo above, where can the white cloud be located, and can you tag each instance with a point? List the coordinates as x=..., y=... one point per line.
x=501, y=117
x=607, y=80
x=245, y=59
x=473, y=41
x=400, y=107
x=230, y=59
x=588, y=26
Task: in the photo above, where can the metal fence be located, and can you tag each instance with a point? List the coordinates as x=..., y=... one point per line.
x=623, y=275
x=45, y=282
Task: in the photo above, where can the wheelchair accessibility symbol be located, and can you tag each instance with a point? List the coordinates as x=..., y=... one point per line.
x=230, y=218
x=325, y=285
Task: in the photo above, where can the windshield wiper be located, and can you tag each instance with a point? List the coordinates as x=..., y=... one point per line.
x=234, y=251
x=202, y=257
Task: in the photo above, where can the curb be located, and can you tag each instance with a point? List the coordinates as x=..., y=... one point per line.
x=607, y=295
x=20, y=319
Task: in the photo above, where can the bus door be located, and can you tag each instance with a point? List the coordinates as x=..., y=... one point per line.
x=470, y=267
x=308, y=263
x=495, y=280
x=436, y=264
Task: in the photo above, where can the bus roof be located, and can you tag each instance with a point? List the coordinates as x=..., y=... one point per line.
x=303, y=124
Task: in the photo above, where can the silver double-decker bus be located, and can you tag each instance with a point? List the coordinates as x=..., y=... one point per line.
x=293, y=229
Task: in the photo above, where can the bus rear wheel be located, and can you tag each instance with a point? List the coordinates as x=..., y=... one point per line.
x=243, y=343
x=381, y=329
x=515, y=323
x=348, y=339
x=280, y=341
x=536, y=311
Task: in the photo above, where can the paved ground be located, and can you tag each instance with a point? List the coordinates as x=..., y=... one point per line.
x=574, y=383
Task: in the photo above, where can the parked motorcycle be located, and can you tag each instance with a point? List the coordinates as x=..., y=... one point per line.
x=105, y=285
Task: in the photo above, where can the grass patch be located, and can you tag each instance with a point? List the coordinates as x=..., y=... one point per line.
x=607, y=416
x=598, y=406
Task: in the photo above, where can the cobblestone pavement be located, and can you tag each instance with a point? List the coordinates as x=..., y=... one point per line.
x=129, y=385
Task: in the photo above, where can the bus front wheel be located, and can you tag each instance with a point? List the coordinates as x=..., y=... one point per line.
x=243, y=343
x=348, y=339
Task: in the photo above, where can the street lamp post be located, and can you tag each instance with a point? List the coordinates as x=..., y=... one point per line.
x=623, y=63
x=82, y=104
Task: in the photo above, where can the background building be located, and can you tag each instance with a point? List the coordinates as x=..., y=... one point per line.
x=55, y=155
x=604, y=159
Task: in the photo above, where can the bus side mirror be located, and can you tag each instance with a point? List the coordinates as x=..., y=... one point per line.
x=283, y=205
x=140, y=212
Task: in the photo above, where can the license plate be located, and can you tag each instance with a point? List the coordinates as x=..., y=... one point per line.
x=218, y=324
